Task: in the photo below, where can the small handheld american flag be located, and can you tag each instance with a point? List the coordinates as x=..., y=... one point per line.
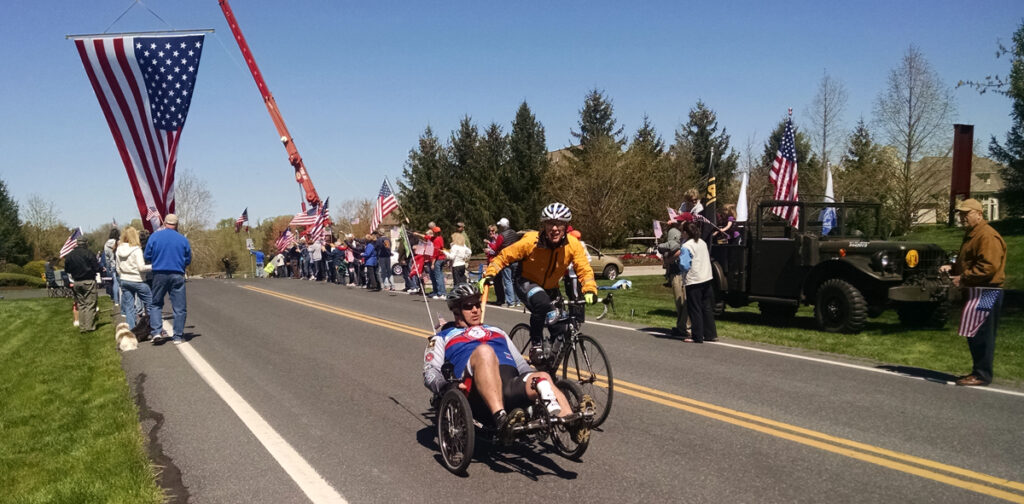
x=71, y=242
x=980, y=302
x=384, y=205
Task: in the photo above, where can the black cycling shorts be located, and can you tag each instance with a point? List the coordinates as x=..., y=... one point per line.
x=513, y=391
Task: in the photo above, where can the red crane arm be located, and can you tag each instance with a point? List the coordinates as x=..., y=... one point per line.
x=301, y=176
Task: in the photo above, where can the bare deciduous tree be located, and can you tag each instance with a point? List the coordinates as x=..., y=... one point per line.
x=914, y=111
x=827, y=115
x=193, y=202
x=43, y=228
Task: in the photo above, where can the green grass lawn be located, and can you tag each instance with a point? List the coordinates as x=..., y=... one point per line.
x=884, y=340
x=1012, y=231
x=69, y=431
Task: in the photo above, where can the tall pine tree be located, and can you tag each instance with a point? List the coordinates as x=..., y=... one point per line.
x=423, y=180
x=1011, y=152
x=14, y=248
x=649, y=193
x=710, y=150
x=467, y=201
x=526, y=170
x=597, y=119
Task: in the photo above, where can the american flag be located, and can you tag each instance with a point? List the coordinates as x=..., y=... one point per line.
x=242, y=219
x=385, y=204
x=306, y=218
x=784, y=176
x=71, y=242
x=980, y=303
x=285, y=240
x=144, y=85
x=317, y=231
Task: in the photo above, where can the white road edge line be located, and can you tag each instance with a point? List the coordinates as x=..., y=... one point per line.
x=316, y=488
x=803, y=357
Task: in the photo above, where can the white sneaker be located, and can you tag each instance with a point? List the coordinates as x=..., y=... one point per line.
x=76, y=323
x=177, y=340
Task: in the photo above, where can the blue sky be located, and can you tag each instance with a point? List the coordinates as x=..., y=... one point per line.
x=358, y=82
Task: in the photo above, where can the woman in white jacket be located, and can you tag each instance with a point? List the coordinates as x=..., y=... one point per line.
x=695, y=264
x=132, y=268
x=459, y=255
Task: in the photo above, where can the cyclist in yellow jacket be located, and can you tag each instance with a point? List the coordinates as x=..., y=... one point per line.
x=544, y=257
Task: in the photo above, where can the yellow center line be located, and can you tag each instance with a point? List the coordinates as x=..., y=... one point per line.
x=775, y=428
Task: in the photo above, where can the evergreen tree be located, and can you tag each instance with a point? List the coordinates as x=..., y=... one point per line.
x=1011, y=152
x=14, y=248
x=467, y=200
x=424, y=180
x=494, y=158
x=649, y=193
x=809, y=170
x=710, y=150
x=861, y=175
x=597, y=120
x=525, y=171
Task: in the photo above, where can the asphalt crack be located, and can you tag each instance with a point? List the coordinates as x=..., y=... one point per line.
x=168, y=474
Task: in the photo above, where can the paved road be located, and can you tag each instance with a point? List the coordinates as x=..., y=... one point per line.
x=336, y=373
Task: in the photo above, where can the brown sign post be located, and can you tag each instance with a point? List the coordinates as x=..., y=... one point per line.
x=963, y=153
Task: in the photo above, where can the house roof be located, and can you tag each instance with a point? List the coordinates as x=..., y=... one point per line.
x=985, y=178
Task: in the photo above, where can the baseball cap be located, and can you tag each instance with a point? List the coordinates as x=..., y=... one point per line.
x=503, y=222
x=968, y=205
x=171, y=219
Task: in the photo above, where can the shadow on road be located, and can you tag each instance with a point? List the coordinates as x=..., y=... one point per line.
x=522, y=457
x=927, y=374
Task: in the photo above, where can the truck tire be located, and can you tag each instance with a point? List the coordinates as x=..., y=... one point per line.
x=924, y=315
x=840, y=307
x=777, y=312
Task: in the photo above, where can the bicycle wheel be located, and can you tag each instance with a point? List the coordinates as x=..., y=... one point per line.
x=571, y=441
x=587, y=363
x=520, y=336
x=455, y=431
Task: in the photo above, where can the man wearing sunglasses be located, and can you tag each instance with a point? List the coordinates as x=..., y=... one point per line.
x=501, y=378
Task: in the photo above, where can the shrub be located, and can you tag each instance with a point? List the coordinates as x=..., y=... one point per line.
x=36, y=269
x=19, y=280
x=12, y=268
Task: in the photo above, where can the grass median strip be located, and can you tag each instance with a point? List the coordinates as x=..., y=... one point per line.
x=909, y=464
x=69, y=431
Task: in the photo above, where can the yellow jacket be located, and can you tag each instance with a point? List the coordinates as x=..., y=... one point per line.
x=543, y=265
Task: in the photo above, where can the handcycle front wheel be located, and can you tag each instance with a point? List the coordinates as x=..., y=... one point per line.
x=571, y=441
x=587, y=364
x=455, y=431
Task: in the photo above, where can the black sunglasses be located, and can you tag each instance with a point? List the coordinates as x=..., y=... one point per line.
x=470, y=306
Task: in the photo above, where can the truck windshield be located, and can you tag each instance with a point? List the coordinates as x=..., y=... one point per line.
x=842, y=220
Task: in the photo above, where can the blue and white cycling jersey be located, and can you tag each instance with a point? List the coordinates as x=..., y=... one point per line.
x=456, y=344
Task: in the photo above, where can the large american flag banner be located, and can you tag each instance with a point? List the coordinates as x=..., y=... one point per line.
x=145, y=85
x=784, y=176
x=71, y=242
x=384, y=205
x=306, y=218
x=980, y=303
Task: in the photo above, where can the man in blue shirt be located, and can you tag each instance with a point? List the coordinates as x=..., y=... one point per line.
x=259, y=262
x=169, y=252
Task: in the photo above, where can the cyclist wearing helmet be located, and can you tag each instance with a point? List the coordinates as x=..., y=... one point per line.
x=501, y=378
x=544, y=257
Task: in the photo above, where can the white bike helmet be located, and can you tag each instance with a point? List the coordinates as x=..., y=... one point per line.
x=556, y=211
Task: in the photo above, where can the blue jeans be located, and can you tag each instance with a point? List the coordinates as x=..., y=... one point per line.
x=259, y=270
x=115, y=289
x=129, y=291
x=385, y=272
x=437, y=277
x=172, y=284
x=506, y=280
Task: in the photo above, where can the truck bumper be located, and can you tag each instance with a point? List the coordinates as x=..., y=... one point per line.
x=917, y=294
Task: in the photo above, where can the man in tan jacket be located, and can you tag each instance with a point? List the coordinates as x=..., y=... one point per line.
x=980, y=264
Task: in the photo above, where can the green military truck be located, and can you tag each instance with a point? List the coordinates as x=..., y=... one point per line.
x=848, y=273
